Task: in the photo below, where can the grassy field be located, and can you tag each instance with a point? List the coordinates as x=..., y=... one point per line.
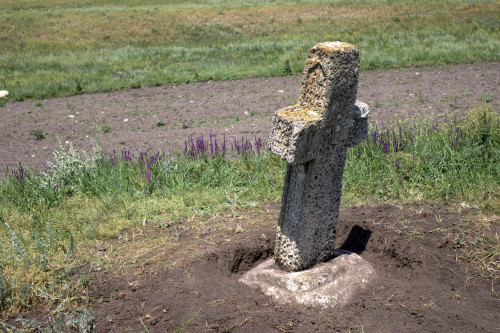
x=60, y=47
x=51, y=221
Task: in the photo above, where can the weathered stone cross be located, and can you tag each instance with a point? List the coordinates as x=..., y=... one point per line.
x=313, y=137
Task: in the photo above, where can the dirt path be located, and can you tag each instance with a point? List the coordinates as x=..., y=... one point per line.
x=161, y=118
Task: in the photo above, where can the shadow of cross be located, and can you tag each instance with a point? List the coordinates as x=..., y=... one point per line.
x=313, y=136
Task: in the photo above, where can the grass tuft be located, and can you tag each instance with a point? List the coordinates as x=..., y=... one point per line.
x=38, y=134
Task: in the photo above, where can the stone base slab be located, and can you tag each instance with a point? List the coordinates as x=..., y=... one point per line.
x=327, y=285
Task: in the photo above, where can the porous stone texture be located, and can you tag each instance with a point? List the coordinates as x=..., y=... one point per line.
x=313, y=136
x=327, y=285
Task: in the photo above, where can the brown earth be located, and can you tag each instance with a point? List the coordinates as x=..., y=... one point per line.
x=183, y=275
x=236, y=108
x=426, y=281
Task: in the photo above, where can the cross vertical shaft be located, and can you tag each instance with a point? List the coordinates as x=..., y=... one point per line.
x=313, y=136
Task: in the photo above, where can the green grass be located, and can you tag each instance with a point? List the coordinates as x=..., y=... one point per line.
x=58, y=47
x=51, y=221
x=448, y=160
x=80, y=201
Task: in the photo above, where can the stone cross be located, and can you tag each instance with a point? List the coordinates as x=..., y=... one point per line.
x=313, y=136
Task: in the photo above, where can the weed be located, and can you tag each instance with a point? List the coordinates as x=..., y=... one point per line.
x=78, y=87
x=488, y=97
x=81, y=320
x=396, y=102
x=288, y=69
x=105, y=128
x=449, y=99
x=458, y=243
x=38, y=104
x=161, y=123
x=421, y=99
x=5, y=291
x=186, y=320
x=484, y=121
x=38, y=134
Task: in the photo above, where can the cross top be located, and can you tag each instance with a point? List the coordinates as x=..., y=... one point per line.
x=326, y=111
x=328, y=67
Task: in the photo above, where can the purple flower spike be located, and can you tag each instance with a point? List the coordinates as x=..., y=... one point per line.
x=147, y=174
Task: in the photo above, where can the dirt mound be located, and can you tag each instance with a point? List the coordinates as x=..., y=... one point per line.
x=423, y=286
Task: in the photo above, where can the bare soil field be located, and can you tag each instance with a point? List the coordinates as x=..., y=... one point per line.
x=184, y=276
x=162, y=118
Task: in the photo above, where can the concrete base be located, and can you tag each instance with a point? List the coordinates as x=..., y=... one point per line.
x=331, y=284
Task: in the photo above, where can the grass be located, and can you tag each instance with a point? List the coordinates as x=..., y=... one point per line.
x=78, y=201
x=66, y=47
x=52, y=221
x=105, y=128
x=38, y=134
x=452, y=159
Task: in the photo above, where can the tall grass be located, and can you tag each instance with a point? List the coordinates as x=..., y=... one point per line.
x=49, y=220
x=65, y=47
x=82, y=199
x=452, y=159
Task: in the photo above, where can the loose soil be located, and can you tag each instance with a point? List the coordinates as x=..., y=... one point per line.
x=184, y=275
x=425, y=281
x=162, y=118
